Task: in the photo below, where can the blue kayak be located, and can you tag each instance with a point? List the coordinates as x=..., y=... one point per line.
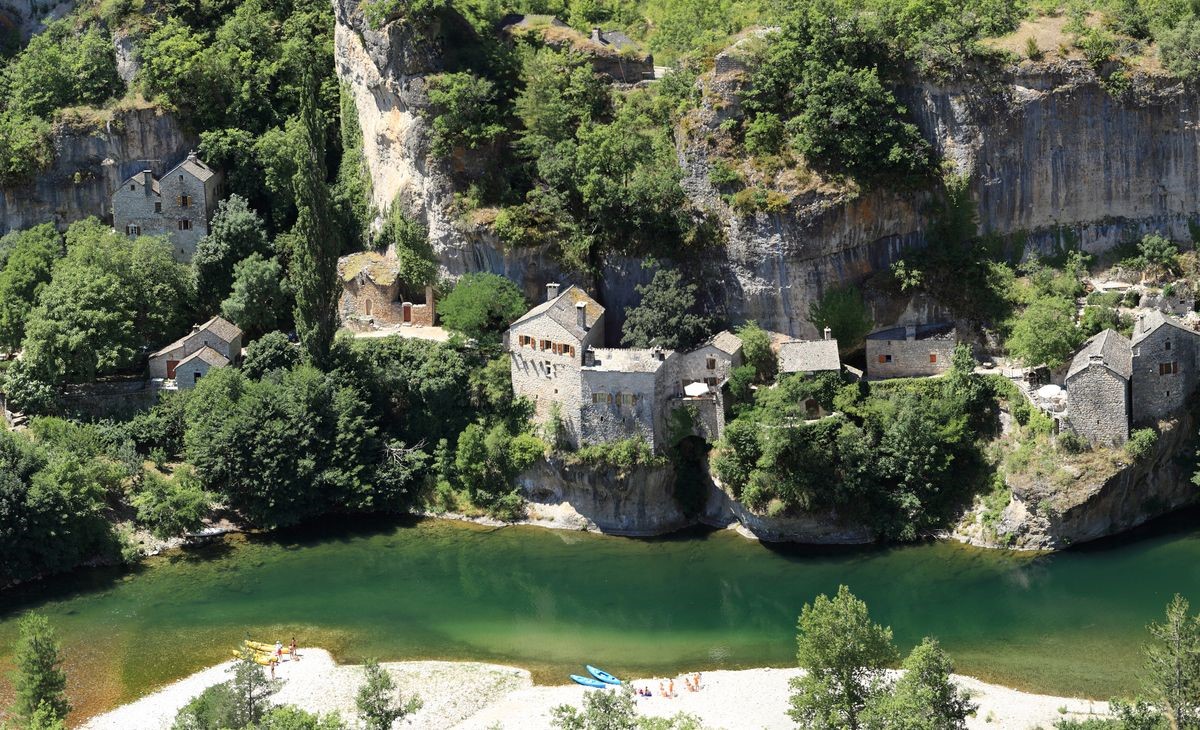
x=588, y=681
x=602, y=675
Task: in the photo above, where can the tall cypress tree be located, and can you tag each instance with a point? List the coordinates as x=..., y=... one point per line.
x=39, y=680
x=314, y=260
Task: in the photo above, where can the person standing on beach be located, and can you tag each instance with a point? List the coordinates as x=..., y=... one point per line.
x=294, y=654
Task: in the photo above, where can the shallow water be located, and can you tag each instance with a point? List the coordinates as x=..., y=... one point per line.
x=1070, y=623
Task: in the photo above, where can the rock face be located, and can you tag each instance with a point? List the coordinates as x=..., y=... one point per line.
x=1137, y=493
x=91, y=159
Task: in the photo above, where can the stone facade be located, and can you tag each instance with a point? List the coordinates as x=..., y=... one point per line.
x=910, y=351
x=1164, y=366
x=195, y=366
x=219, y=335
x=1098, y=390
x=558, y=360
x=178, y=205
x=373, y=297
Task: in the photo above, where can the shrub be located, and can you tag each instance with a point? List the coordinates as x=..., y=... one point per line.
x=1072, y=443
x=1141, y=443
x=1032, y=50
x=171, y=507
x=764, y=134
x=624, y=454
x=481, y=305
x=465, y=112
x=722, y=174
x=1179, y=49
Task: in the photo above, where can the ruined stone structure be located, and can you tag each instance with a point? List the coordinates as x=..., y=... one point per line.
x=600, y=394
x=1164, y=366
x=809, y=356
x=373, y=296
x=610, y=52
x=214, y=344
x=1098, y=389
x=178, y=205
x=910, y=351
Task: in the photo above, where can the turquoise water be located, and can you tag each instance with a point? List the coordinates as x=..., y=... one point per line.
x=551, y=601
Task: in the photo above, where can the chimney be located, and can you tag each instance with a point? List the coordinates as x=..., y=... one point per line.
x=192, y=156
x=828, y=333
x=147, y=182
x=1142, y=323
x=581, y=315
x=551, y=291
x=589, y=357
x=596, y=35
x=658, y=353
x=910, y=332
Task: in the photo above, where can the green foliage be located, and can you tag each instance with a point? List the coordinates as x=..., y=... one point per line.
x=622, y=455
x=666, y=316
x=410, y=241
x=105, y=301
x=764, y=134
x=924, y=698
x=235, y=233
x=25, y=147
x=160, y=428
x=844, y=654
x=1072, y=443
x=381, y=12
x=465, y=115
x=481, y=305
x=212, y=708
x=258, y=297
x=1045, y=332
x=1173, y=665
x=39, y=683
x=1179, y=49
x=171, y=507
x=1158, y=253
x=251, y=691
x=26, y=271
x=757, y=352
x=488, y=459
x=1141, y=443
x=61, y=67
x=602, y=710
x=273, y=351
x=378, y=702
x=26, y=392
x=286, y=717
x=843, y=311
x=1097, y=319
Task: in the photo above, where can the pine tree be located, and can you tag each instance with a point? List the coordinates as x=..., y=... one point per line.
x=39, y=680
x=314, y=262
x=1173, y=666
x=379, y=703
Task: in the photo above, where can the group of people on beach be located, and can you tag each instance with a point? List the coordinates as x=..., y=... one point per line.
x=667, y=689
x=277, y=656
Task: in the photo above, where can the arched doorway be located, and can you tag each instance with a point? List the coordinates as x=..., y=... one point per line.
x=368, y=307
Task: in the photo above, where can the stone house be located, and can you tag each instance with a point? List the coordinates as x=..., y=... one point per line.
x=1164, y=366
x=809, y=356
x=1098, y=389
x=910, y=351
x=179, y=205
x=599, y=394
x=216, y=343
x=373, y=296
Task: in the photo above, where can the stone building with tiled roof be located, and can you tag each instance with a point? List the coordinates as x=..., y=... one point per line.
x=373, y=295
x=1098, y=389
x=214, y=344
x=911, y=351
x=809, y=356
x=178, y=205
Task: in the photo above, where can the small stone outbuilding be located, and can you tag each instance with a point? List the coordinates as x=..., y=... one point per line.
x=216, y=343
x=373, y=296
x=809, y=356
x=1164, y=366
x=911, y=351
x=1098, y=389
x=711, y=361
x=178, y=205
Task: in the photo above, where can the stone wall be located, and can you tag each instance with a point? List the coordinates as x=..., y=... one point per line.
x=1156, y=395
x=546, y=378
x=109, y=399
x=909, y=358
x=606, y=421
x=201, y=198
x=692, y=366
x=1098, y=405
x=190, y=372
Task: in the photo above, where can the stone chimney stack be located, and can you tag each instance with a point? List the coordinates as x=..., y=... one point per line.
x=581, y=315
x=551, y=291
x=589, y=357
x=910, y=332
x=147, y=182
x=828, y=333
x=596, y=35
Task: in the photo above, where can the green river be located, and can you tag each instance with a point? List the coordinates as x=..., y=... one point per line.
x=1069, y=623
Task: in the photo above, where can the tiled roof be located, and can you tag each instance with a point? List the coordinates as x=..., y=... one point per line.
x=725, y=341
x=1113, y=351
x=809, y=356
x=208, y=355
x=224, y=329
x=1147, y=323
x=562, y=308
x=195, y=167
x=382, y=269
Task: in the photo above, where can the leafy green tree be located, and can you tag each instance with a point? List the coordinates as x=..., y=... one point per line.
x=602, y=710
x=39, y=682
x=171, y=507
x=236, y=233
x=313, y=271
x=666, y=316
x=844, y=654
x=258, y=295
x=25, y=392
x=481, y=305
x=1045, y=332
x=273, y=351
x=1159, y=253
x=465, y=113
x=287, y=717
x=44, y=719
x=924, y=698
x=757, y=352
x=409, y=240
x=25, y=146
x=62, y=67
x=1179, y=49
x=251, y=691
x=843, y=311
x=378, y=701
x=26, y=271
x=1173, y=665
x=560, y=93
x=215, y=707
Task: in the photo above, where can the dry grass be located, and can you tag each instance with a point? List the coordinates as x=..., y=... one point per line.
x=1050, y=34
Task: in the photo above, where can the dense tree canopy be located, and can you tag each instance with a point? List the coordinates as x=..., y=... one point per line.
x=25, y=272
x=482, y=305
x=667, y=314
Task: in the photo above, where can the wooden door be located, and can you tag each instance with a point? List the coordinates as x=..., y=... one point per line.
x=408, y=313
x=171, y=365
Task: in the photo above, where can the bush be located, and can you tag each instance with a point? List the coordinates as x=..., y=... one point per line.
x=481, y=305
x=273, y=351
x=764, y=134
x=171, y=507
x=466, y=115
x=843, y=311
x=1179, y=49
x=624, y=454
x=1141, y=443
x=1072, y=443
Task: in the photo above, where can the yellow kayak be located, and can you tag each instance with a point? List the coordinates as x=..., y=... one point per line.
x=263, y=659
x=266, y=648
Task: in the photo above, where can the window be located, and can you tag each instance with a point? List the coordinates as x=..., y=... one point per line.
x=196, y=377
x=711, y=363
x=132, y=186
x=1167, y=345
x=1168, y=368
x=185, y=224
x=712, y=382
x=549, y=368
x=133, y=229
x=933, y=357
x=884, y=359
x=571, y=350
x=185, y=201
x=158, y=207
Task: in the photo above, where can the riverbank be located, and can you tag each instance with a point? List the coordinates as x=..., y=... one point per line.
x=474, y=696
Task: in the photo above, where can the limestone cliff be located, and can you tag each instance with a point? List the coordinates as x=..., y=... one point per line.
x=92, y=157
x=1051, y=155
